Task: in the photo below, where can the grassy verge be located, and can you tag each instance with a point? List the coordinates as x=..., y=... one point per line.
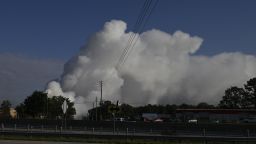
x=107, y=141
x=88, y=140
x=81, y=140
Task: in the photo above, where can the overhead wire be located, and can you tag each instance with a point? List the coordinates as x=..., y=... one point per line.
x=143, y=26
x=137, y=25
x=143, y=17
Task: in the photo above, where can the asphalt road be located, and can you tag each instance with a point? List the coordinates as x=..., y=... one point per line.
x=35, y=142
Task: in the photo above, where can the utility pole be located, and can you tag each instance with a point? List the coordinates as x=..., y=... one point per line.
x=92, y=110
x=101, y=87
x=46, y=107
x=101, y=101
x=96, y=109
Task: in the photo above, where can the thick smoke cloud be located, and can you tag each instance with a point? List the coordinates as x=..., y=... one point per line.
x=162, y=68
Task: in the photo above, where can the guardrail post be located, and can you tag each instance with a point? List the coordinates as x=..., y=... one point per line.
x=56, y=128
x=42, y=128
x=31, y=128
x=2, y=127
x=92, y=130
x=133, y=134
x=28, y=128
x=60, y=129
x=15, y=127
x=127, y=134
x=204, y=132
x=248, y=133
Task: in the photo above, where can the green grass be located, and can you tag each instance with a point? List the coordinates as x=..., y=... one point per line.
x=106, y=141
x=85, y=140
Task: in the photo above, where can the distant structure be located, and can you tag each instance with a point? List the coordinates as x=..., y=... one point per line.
x=154, y=117
x=217, y=115
x=11, y=113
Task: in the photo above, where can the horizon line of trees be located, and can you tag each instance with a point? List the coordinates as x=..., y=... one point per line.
x=234, y=98
x=38, y=105
x=240, y=97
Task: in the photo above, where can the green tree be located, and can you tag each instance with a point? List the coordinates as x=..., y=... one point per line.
x=102, y=111
x=6, y=104
x=5, y=108
x=233, y=99
x=127, y=111
x=21, y=110
x=186, y=106
x=204, y=105
x=55, y=108
x=36, y=104
x=250, y=88
x=170, y=109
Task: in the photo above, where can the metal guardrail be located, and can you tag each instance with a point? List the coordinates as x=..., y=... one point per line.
x=129, y=136
x=172, y=134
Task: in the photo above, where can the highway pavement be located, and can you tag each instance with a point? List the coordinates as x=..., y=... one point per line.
x=36, y=142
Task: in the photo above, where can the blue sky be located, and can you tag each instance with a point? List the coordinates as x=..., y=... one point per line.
x=56, y=29
x=38, y=36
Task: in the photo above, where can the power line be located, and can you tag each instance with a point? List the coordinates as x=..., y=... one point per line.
x=143, y=26
x=141, y=21
x=145, y=13
x=137, y=26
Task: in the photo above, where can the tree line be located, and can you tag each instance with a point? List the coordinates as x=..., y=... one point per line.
x=134, y=113
x=38, y=105
x=233, y=98
x=240, y=97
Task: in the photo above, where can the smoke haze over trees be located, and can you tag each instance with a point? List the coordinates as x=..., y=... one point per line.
x=38, y=105
x=234, y=98
x=244, y=98
x=162, y=68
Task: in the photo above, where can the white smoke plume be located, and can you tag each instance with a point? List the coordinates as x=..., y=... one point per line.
x=162, y=68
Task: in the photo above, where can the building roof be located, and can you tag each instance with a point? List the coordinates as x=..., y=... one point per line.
x=218, y=111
